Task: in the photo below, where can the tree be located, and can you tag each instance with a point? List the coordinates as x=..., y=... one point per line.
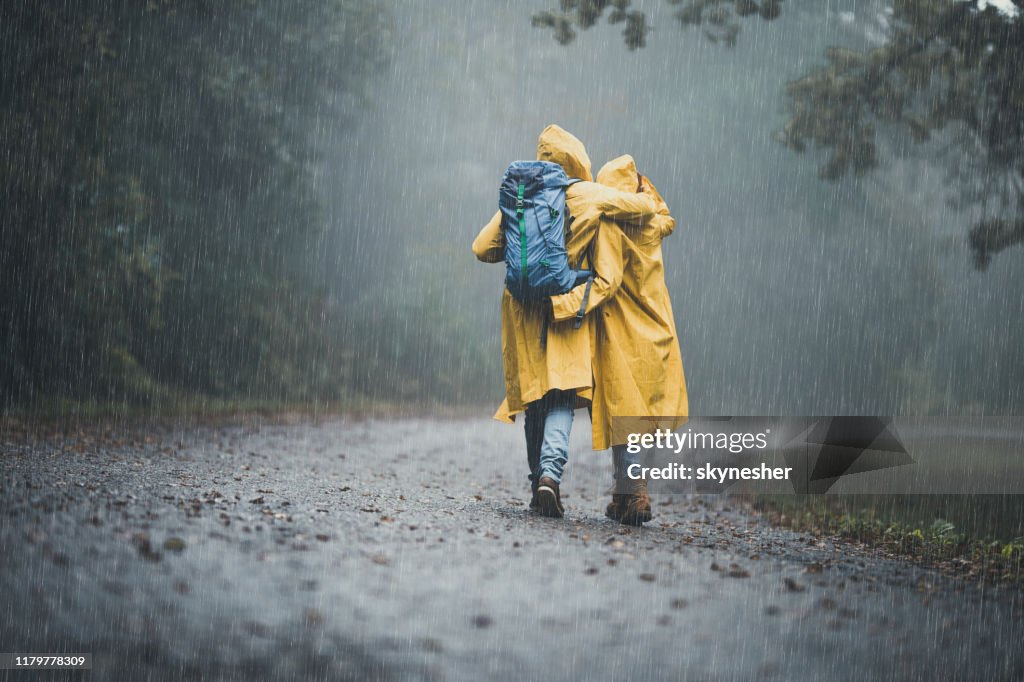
x=159, y=203
x=950, y=65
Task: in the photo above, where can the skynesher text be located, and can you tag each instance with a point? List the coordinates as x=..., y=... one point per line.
x=679, y=472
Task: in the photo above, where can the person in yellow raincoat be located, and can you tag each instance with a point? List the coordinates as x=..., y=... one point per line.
x=638, y=368
x=548, y=379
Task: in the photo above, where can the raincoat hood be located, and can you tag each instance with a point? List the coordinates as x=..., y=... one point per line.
x=562, y=147
x=621, y=173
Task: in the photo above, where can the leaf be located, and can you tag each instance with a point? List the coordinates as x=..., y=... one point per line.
x=174, y=544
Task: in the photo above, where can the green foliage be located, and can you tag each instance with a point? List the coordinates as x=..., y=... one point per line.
x=946, y=66
x=720, y=18
x=159, y=204
x=910, y=527
x=717, y=16
x=586, y=13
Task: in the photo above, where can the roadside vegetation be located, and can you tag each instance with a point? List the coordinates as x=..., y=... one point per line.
x=979, y=537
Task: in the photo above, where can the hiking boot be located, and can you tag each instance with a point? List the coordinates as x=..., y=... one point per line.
x=636, y=508
x=549, y=502
x=534, y=504
x=615, y=508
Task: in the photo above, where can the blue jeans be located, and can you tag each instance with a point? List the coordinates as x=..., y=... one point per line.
x=548, y=423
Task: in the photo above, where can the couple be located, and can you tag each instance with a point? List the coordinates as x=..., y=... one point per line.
x=624, y=360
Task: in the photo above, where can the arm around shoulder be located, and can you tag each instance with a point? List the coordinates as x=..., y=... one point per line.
x=663, y=222
x=607, y=277
x=627, y=206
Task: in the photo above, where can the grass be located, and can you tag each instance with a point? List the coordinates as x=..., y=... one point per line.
x=970, y=536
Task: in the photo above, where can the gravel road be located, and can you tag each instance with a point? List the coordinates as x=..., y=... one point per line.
x=373, y=549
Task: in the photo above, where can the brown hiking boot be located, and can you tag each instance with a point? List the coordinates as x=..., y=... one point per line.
x=636, y=509
x=549, y=502
x=615, y=508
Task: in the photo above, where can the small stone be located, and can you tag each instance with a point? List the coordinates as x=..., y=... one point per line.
x=432, y=645
x=257, y=629
x=793, y=586
x=142, y=544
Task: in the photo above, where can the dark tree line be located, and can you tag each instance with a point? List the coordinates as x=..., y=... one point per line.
x=159, y=210
x=950, y=71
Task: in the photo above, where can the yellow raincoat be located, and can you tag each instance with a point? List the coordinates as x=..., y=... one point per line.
x=530, y=369
x=638, y=369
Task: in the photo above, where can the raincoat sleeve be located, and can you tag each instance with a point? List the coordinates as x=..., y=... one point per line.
x=607, y=276
x=489, y=245
x=626, y=206
x=662, y=222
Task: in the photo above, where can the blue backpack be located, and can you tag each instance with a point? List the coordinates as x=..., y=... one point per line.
x=533, y=217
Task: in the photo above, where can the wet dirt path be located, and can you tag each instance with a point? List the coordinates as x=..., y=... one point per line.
x=403, y=549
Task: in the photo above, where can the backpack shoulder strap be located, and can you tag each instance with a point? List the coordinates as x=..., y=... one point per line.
x=578, y=322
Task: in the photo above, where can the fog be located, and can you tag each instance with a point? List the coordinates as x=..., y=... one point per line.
x=274, y=203
x=792, y=295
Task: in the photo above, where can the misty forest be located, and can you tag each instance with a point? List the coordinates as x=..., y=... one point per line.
x=274, y=202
